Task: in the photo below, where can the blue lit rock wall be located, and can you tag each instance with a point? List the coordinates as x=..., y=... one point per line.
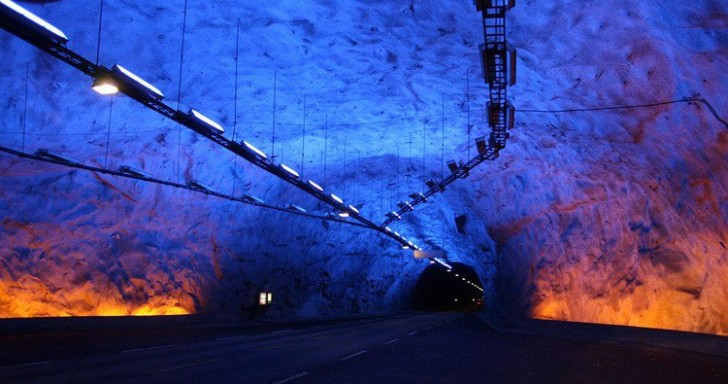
x=385, y=93
x=613, y=217
x=619, y=216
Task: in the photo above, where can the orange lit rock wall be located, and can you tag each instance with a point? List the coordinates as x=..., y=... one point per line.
x=616, y=217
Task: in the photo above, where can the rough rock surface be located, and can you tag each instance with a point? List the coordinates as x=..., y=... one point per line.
x=616, y=216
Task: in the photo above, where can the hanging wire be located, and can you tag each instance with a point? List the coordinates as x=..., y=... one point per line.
x=685, y=100
x=108, y=133
x=98, y=40
x=154, y=180
x=179, y=89
x=326, y=146
x=25, y=102
x=275, y=89
x=303, y=136
x=235, y=103
x=467, y=97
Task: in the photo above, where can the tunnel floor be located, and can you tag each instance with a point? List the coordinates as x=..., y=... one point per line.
x=452, y=347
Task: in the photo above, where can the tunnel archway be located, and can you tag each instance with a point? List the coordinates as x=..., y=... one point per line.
x=442, y=289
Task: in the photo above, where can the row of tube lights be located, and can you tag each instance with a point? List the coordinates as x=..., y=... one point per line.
x=468, y=282
x=109, y=84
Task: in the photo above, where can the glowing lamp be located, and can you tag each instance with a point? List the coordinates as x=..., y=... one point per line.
x=344, y=214
x=265, y=298
x=290, y=170
x=394, y=215
x=315, y=186
x=444, y=264
x=137, y=83
x=105, y=86
x=353, y=209
x=337, y=199
x=260, y=154
x=31, y=21
x=296, y=208
x=253, y=199
x=388, y=229
x=206, y=122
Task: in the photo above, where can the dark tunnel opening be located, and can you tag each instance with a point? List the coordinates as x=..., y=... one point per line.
x=442, y=289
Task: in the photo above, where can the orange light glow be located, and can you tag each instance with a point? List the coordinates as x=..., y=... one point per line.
x=56, y=272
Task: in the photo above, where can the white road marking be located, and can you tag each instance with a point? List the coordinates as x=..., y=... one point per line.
x=353, y=355
x=412, y=333
x=227, y=338
x=183, y=365
x=391, y=341
x=149, y=348
x=294, y=377
x=25, y=365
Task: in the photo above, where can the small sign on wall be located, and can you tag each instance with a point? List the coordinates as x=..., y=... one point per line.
x=265, y=298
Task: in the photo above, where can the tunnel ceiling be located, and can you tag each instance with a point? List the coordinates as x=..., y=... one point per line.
x=614, y=216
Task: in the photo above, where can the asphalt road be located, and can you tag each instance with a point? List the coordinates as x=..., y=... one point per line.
x=426, y=348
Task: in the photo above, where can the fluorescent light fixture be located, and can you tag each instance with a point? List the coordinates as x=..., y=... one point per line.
x=197, y=185
x=127, y=170
x=444, y=264
x=457, y=275
x=105, y=86
x=255, y=150
x=405, y=205
x=137, y=82
x=405, y=247
x=344, y=214
x=337, y=199
x=388, y=229
x=411, y=245
x=294, y=207
x=449, y=270
x=253, y=199
x=397, y=234
x=44, y=153
x=206, y=121
x=290, y=170
x=31, y=20
x=394, y=215
x=418, y=195
x=315, y=186
x=353, y=209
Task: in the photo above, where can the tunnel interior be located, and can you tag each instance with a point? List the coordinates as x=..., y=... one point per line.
x=442, y=289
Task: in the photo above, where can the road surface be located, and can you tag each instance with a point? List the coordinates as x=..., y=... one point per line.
x=421, y=348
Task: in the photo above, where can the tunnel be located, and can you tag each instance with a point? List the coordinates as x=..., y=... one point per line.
x=442, y=289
